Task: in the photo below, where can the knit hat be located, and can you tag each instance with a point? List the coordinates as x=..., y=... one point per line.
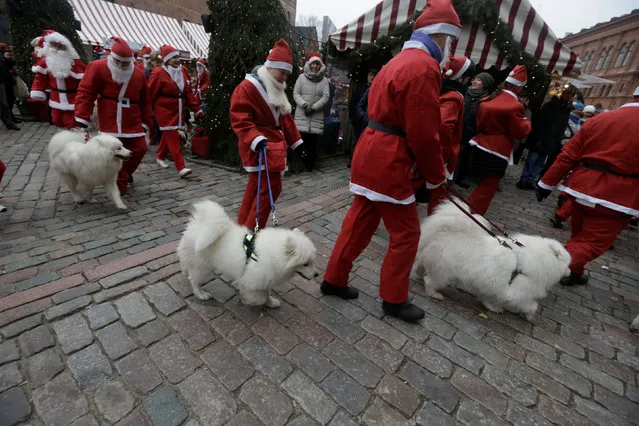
x=590, y=108
x=518, y=76
x=280, y=56
x=636, y=93
x=577, y=105
x=168, y=52
x=120, y=50
x=457, y=66
x=487, y=80
x=439, y=17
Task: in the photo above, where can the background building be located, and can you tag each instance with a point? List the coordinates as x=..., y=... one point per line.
x=609, y=50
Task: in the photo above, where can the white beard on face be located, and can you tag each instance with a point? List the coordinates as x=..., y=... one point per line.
x=446, y=53
x=59, y=62
x=120, y=75
x=176, y=76
x=275, y=91
x=200, y=69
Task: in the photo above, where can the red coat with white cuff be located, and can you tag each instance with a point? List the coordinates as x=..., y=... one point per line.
x=168, y=101
x=123, y=110
x=607, y=141
x=254, y=119
x=451, y=107
x=405, y=95
x=63, y=91
x=499, y=122
x=202, y=84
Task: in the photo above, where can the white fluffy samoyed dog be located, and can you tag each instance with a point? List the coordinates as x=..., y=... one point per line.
x=455, y=251
x=214, y=243
x=83, y=166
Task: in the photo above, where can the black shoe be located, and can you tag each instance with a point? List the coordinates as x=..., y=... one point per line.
x=130, y=179
x=521, y=185
x=575, y=279
x=17, y=120
x=612, y=247
x=339, y=291
x=405, y=311
x=556, y=222
x=12, y=126
x=462, y=184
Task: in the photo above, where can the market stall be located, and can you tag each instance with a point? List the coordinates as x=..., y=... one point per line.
x=198, y=38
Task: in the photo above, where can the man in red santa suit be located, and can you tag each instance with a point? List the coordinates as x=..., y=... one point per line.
x=604, y=184
x=170, y=94
x=261, y=119
x=459, y=71
x=402, y=135
x=142, y=59
x=124, y=109
x=59, y=71
x=38, y=45
x=500, y=121
x=202, y=78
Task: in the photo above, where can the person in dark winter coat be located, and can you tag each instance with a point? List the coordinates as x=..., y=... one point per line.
x=356, y=97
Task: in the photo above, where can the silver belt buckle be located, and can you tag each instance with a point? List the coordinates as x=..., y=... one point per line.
x=125, y=102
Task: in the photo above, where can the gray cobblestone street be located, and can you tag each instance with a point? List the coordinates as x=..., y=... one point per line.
x=99, y=327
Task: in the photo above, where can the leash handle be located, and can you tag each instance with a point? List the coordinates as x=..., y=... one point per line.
x=270, y=192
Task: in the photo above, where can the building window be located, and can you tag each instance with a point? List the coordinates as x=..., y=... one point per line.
x=622, y=55
x=587, y=58
x=622, y=87
x=608, y=89
x=626, y=61
x=602, y=59
x=608, y=57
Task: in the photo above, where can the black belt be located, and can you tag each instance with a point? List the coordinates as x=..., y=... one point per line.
x=171, y=96
x=64, y=91
x=118, y=100
x=604, y=169
x=387, y=128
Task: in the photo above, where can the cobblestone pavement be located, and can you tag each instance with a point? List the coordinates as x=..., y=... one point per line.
x=98, y=326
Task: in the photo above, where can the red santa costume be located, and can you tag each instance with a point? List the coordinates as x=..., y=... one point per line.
x=143, y=57
x=604, y=183
x=261, y=115
x=170, y=94
x=402, y=135
x=451, y=107
x=202, y=78
x=124, y=109
x=38, y=46
x=59, y=72
x=499, y=122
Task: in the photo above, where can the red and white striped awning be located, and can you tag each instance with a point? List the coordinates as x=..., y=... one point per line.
x=198, y=38
x=102, y=20
x=528, y=28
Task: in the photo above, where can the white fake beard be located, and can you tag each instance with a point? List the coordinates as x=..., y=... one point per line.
x=275, y=91
x=200, y=70
x=59, y=62
x=446, y=53
x=120, y=75
x=176, y=75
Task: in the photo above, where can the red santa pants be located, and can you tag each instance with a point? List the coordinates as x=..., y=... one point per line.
x=63, y=119
x=170, y=142
x=360, y=223
x=594, y=230
x=247, y=210
x=565, y=211
x=482, y=195
x=437, y=196
x=3, y=169
x=138, y=147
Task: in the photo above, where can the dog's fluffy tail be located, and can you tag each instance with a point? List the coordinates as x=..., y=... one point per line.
x=211, y=221
x=59, y=140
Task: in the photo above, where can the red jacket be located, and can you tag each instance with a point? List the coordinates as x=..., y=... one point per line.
x=499, y=122
x=202, y=84
x=167, y=100
x=123, y=110
x=63, y=90
x=451, y=107
x=608, y=140
x=254, y=119
x=405, y=94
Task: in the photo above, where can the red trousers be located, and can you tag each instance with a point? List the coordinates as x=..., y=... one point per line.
x=170, y=142
x=360, y=223
x=594, y=230
x=138, y=147
x=482, y=195
x=63, y=119
x=437, y=196
x=247, y=210
x=565, y=211
x=3, y=168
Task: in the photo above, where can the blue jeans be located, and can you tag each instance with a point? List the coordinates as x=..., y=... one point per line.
x=534, y=165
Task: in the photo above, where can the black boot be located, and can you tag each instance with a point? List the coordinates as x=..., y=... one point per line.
x=405, y=311
x=556, y=222
x=462, y=184
x=422, y=195
x=575, y=279
x=339, y=291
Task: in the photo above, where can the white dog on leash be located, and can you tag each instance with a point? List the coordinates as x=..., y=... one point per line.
x=455, y=251
x=83, y=166
x=214, y=243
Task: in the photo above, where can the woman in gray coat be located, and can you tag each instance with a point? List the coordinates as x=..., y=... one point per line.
x=311, y=93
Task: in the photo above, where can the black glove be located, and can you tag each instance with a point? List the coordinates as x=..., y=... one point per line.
x=303, y=154
x=541, y=193
x=261, y=146
x=422, y=195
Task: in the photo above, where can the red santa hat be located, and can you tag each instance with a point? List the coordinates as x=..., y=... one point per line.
x=439, y=17
x=314, y=57
x=280, y=56
x=202, y=62
x=168, y=52
x=120, y=50
x=518, y=76
x=636, y=93
x=457, y=66
x=145, y=52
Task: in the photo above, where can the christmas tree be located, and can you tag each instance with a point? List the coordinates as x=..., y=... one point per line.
x=27, y=20
x=243, y=34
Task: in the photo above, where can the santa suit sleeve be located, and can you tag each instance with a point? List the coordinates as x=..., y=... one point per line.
x=147, y=107
x=153, y=87
x=204, y=83
x=79, y=69
x=568, y=159
x=520, y=126
x=242, y=119
x=449, y=111
x=192, y=101
x=422, y=121
x=291, y=134
x=40, y=82
x=87, y=94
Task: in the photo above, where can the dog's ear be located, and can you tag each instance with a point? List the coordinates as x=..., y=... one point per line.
x=290, y=248
x=556, y=248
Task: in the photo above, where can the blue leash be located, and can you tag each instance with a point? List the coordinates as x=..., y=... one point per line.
x=259, y=186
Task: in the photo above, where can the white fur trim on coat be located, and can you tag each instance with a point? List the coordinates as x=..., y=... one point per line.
x=61, y=106
x=38, y=95
x=547, y=187
x=40, y=69
x=296, y=144
x=376, y=196
x=495, y=153
x=83, y=121
x=433, y=186
x=594, y=201
x=256, y=141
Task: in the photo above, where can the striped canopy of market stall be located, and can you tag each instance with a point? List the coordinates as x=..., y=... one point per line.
x=528, y=28
x=101, y=20
x=198, y=37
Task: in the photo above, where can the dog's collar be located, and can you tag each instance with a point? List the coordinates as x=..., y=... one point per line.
x=249, y=247
x=515, y=273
